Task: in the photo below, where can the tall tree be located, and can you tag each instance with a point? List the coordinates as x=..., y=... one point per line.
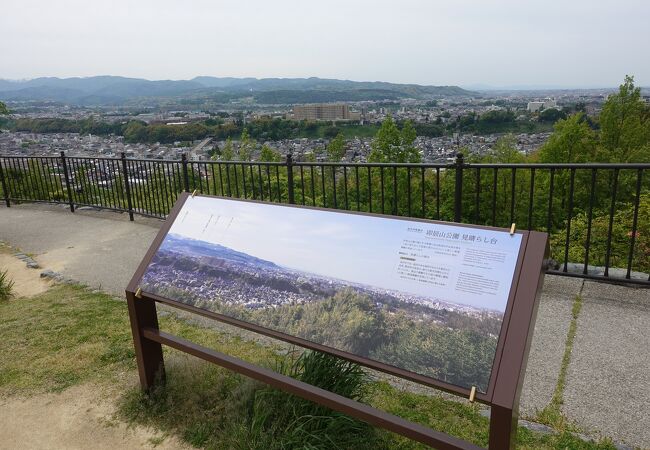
x=269, y=155
x=394, y=145
x=625, y=124
x=246, y=145
x=573, y=141
x=3, y=109
x=227, y=154
x=336, y=148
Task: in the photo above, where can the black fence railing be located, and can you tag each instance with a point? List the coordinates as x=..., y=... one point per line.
x=597, y=215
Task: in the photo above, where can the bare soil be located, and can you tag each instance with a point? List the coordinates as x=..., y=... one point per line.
x=80, y=417
x=27, y=282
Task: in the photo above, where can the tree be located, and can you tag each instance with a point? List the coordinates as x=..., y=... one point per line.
x=551, y=115
x=3, y=109
x=505, y=150
x=227, y=154
x=331, y=131
x=269, y=155
x=625, y=125
x=246, y=145
x=392, y=145
x=136, y=132
x=573, y=141
x=336, y=148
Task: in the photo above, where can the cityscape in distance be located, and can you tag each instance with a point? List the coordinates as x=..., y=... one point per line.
x=101, y=116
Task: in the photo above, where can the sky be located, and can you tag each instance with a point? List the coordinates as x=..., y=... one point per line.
x=350, y=247
x=577, y=43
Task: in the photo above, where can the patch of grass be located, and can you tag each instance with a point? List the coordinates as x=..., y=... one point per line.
x=462, y=420
x=57, y=339
x=69, y=335
x=6, y=286
x=552, y=415
x=157, y=440
x=211, y=407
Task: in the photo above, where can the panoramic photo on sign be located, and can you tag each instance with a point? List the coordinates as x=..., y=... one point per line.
x=425, y=297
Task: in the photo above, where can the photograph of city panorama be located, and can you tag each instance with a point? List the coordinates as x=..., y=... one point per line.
x=424, y=297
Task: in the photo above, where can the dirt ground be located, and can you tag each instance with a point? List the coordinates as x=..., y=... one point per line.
x=80, y=417
x=27, y=282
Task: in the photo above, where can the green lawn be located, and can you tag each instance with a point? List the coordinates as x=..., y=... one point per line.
x=69, y=335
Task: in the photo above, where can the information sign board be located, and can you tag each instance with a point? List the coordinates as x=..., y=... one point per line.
x=423, y=297
x=428, y=301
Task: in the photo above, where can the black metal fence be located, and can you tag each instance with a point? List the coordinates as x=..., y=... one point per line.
x=597, y=215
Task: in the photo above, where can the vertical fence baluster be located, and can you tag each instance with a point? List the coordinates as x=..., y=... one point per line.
x=290, y=178
x=437, y=193
x=458, y=192
x=549, y=223
x=64, y=163
x=277, y=183
x=322, y=179
x=592, y=196
x=495, y=188
x=313, y=190
x=477, y=216
x=5, y=189
x=261, y=178
x=302, y=184
x=127, y=186
x=369, y=189
x=531, y=198
x=334, y=186
x=408, y=190
x=569, y=214
x=611, y=222
x=345, y=186
x=424, y=213
x=394, y=190
x=186, y=178
x=635, y=217
x=381, y=174
x=513, y=182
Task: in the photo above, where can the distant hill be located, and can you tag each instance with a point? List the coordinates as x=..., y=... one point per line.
x=196, y=248
x=111, y=90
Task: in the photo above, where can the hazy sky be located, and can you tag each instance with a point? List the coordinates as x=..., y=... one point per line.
x=350, y=247
x=459, y=42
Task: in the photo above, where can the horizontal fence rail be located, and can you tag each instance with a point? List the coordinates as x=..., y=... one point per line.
x=597, y=215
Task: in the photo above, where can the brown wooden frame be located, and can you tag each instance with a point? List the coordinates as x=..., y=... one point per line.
x=506, y=377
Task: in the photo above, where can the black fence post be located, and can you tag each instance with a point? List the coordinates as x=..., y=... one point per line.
x=4, y=186
x=290, y=178
x=66, y=176
x=127, y=185
x=458, y=192
x=186, y=177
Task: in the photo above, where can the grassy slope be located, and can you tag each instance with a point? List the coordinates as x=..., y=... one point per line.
x=69, y=335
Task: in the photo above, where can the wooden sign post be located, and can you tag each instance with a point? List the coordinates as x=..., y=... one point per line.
x=428, y=269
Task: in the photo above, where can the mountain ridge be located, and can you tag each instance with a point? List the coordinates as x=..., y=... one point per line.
x=108, y=89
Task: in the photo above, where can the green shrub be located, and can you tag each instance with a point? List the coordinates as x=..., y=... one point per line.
x=6, y=286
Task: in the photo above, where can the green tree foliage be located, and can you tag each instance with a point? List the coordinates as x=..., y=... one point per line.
x=3, y=109
x=246, y=146
x=228, y=152
x=336, y=148
x=267, y=154
x=394, y=145
x=573, y=141
x=551, y=115
x=625, y=125
x=598, y=229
